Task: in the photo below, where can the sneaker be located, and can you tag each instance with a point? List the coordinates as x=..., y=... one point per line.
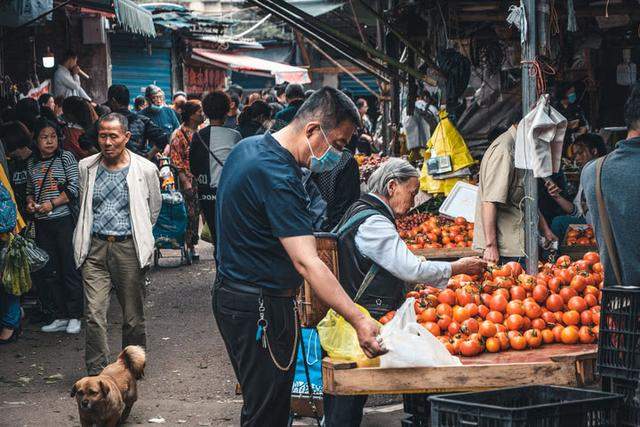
x=74, y=326
x=58, y=325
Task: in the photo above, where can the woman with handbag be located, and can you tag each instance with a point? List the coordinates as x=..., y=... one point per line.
x=51, y=189
x=192, y=118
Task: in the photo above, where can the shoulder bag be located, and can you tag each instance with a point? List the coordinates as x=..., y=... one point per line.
x=197, y=134
x=605, y=224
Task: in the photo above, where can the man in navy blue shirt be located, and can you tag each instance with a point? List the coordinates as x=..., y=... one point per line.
x=265, y=248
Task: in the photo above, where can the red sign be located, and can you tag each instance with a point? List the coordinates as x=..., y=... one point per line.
x=198, y=80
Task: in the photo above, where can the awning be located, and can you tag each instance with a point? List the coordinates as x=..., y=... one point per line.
x=133, y=18
x=314, y=7
x=250, y=65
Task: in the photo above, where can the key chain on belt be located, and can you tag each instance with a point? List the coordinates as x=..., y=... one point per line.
x=261, y=335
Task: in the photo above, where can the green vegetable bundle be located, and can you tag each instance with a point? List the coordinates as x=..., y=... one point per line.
x=15, y=275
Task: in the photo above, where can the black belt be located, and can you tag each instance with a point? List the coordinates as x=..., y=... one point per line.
x=255, y=290
x=112, y=239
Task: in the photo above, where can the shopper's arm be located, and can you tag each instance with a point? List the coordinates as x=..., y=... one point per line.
x=556, y=193
x=302, y=251
x=489, y=212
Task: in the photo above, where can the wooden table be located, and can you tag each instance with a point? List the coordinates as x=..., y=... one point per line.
x=446, y=253
x=556, y=364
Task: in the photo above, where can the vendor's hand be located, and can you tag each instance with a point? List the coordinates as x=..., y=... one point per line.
x=367, y=330
x=468, y=265
x=491, y=254
x=552, y=189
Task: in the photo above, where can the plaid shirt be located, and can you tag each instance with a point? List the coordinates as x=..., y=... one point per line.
x=111, y=203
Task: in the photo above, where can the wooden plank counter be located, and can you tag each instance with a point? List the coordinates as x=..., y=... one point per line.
x=556, y=364
x=446, y=253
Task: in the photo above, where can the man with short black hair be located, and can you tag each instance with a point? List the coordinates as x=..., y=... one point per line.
x=209, y=150
x=231, y=120
x=147, y=139
x=113, y=240
x=265, y=248
x=295, y=98
x=280, y=93
x=621, y=197
x=66, y=79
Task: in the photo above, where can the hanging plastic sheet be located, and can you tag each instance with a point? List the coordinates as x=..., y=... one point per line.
x=540, y=138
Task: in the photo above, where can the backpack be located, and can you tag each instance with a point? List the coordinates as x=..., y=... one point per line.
x=8, y=210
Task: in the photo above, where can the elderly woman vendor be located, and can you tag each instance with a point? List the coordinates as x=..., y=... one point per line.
x=375, y=263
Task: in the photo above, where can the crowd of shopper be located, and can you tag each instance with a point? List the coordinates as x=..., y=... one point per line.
x=56, y=156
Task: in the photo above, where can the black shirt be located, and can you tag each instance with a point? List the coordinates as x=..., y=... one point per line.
x=260, y=199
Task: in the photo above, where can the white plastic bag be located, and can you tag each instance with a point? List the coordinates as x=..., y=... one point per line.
x=410, y=345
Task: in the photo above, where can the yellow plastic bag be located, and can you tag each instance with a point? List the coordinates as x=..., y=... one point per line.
x=339, y=339
x=205, y=234
x=445, y=141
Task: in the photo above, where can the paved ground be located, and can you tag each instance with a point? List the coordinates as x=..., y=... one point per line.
x=189, y=380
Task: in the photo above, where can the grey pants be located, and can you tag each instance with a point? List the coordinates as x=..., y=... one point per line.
x=107, y=263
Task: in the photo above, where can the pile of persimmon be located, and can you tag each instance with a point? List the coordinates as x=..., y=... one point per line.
x=508, y=309
x=581, y=237
x=422, y=231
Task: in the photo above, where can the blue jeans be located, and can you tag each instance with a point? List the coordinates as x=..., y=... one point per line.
x=561, y=223
x=9, y=310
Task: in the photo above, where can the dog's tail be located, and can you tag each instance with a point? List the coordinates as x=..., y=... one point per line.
x=134, y=358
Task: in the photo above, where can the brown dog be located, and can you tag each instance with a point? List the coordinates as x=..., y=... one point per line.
x=106, y=399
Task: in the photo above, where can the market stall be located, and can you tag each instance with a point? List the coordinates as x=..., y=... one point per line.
x=506, y=328
x=571, y=365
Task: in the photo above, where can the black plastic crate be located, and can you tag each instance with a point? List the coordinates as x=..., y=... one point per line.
x=530, y=406
x=417, y=404
x=413, y=421
x=629, y=411
x=619, y=342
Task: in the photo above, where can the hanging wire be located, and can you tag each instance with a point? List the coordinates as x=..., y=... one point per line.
x=540, y=69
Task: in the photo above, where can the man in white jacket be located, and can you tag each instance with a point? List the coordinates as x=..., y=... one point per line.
x=113, y=241
x=66, y=81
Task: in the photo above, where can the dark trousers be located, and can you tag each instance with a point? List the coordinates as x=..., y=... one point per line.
x=209, y=210
x=266, y=390
x=343, y=411
x=59, y=281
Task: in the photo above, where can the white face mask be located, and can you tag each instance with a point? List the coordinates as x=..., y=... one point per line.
x=421, y=105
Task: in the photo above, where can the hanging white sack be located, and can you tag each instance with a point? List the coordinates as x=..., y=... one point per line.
x=539, y=139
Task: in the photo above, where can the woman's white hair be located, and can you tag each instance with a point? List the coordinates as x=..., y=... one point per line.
x=393, y=169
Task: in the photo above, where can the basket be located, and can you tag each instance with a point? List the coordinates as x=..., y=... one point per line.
x=417, y=404
x=538, y=405
x=629, y=412
x=619, y=341
x=312, y=310
x=575, y=251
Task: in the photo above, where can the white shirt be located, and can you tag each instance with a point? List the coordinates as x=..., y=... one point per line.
x=65, y=84
x=378, y=240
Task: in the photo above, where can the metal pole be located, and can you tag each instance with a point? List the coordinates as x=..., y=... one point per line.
x=384, y=92
x=528, y=100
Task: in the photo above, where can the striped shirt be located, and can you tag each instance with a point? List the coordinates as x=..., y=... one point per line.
x=63, y=176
